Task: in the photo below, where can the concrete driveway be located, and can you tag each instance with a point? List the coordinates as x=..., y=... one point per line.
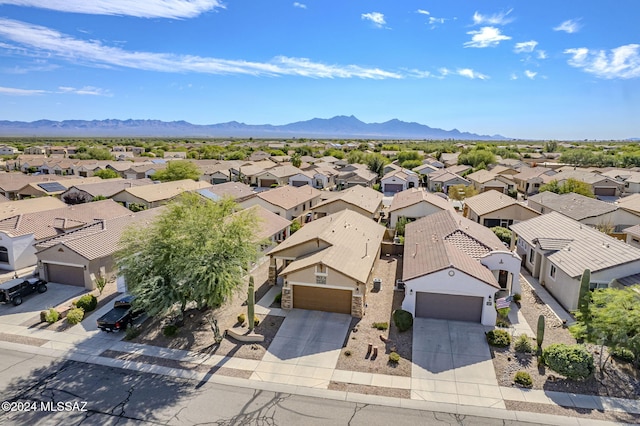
x=305, y=350
x=35, y=302
x=452, y=364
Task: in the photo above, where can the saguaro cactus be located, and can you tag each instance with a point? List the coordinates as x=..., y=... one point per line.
x=540, y=333
x=251, y=301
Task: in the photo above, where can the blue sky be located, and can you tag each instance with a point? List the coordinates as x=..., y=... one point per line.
x=539, y=70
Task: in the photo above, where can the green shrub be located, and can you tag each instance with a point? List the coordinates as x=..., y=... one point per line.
x=131, y=332
x=499, y=338
x=87, y=303
x=502, y=323
x=50, y=316
x=523, y=379
x=381, y=325
x=394, y=358
x=622, y=354
x=256, y=321
x=523, y=344
x=242, y=318
x=572, y=361
x=278, y=298
x=170, y=330
x=402, y=319
x=503, y=312
x=517, y=297
x=75, y=315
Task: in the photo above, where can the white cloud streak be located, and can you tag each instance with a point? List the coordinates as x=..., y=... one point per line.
x=570, y=26
x=525, y=46
x=530, y=74
x=541, y=54
x=423, y=12
x=469, y=73
x=172, y=9
x=622, y=62
x=495, y=19
x=46, y=41
x=12, y=91
x=486, y=37
x=299, y=5
x=376, y=17
x=86, y=90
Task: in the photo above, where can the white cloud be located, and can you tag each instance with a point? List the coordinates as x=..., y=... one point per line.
x=469, y=73
x=621, y=62
x=12, y=91
x=299, y=5
x=423, y=12
x=376, y=17
x=419, y=73
x=173, y=9
x=86, y=90
x=433, y=20
x=513, y=77
x=530, y=74
x=525, y=46
x=570, y=26
x=541, y=54
x=486, y=37
x=495, y=19
x=38, y=40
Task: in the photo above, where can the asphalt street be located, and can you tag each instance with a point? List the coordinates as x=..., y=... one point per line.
x=45, y=391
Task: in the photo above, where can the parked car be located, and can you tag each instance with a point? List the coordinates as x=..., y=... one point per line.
x=120, y=316
x=13, y=291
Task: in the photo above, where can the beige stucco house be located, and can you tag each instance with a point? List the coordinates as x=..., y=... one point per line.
x=286, y=201
x=360, y=199
x=493, y=208
x=150, y=196
x=415, y=203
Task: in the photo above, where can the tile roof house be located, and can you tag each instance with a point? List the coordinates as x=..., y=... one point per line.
x=287, y=201
x=628, y=178
x=141, y=171
x=449, y=159
x=356, y=174
x=453, y=268
x=150, y=196
x=80, y=256
x=598, y=184
x=459, y=169
x=485, y=180
x=632, y=235
x=52, y=187
x=415, y=203
x=271, y=226
x=278, y=175
x=304, y=177
x=630, y=204
x=329, y=262
x=557, y=249
x=363, y=200
x=86, y=192
x=443, y=179
x=19, y=232
x=236, y=190
x=530, y=179
x=493, y=208
x=11, y=183
x=399, y=180
x=28, y=205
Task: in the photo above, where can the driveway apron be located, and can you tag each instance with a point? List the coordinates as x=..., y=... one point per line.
x=452, y=364
x=305, y=350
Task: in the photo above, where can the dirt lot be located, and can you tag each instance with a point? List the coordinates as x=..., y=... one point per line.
x=619, y=379
x=196, y=334
x=380, y=305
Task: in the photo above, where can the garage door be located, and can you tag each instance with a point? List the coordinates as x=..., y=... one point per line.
x=448, y=307
x=266, y=183
x=299, y=183
x=605, y=191
x=322, y=299
x=393, y=187
x=63, y=274
x=493, y=188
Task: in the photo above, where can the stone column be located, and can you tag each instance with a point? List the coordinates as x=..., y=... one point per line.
x=357, y=306
x=287, y=298
x=273, y=271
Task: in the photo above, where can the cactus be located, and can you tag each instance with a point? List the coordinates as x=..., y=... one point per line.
x=583, y=296
x=540, y=333
x=251, y=301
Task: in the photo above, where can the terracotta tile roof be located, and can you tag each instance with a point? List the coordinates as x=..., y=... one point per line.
x=353, y=241
x=49, y=223
x=29, y=205
x=366, y=198
x=109, y=187
x=447, y=240
x=574, y=205
x=101, y=238
x=165, y=190
x=587, y=248
x=288, y=196
x=412, y=196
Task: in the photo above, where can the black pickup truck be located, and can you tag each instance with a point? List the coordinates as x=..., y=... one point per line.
x=120, y=316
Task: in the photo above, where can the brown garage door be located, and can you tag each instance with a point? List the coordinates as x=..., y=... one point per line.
x=493, y=188
x=299, y=183
x=63, y=274
x=322, y=299
x=605, y=191
x=449, y=307
x=266, y=183
x=393, y=187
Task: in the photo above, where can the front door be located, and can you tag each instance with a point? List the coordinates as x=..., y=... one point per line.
x=503, y=278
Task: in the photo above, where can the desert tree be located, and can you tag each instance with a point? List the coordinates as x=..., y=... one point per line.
x=177, y=170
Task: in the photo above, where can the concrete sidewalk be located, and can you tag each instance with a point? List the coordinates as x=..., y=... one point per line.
x=548, y=299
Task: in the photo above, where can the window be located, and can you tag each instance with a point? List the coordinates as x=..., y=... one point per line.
x=505, y=222
x=304, y=206
x=321, y=274
x=4, y=255
x=552, y=272
x=532, y=256
x=635, y=240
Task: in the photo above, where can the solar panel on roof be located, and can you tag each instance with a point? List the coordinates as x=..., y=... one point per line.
x=52, y=187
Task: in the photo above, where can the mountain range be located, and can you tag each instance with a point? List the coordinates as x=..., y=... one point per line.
x=320, y=128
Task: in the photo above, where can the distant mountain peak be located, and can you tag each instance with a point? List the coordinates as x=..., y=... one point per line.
x=340, y=126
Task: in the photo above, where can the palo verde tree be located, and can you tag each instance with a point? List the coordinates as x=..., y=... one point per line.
x=195, y=251
x=177, y=170
x=106, y=174
x=570, y=185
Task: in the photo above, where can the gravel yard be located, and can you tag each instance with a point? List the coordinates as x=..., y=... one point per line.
x=380, y=305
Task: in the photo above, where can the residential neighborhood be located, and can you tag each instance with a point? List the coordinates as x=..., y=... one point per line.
x=338, y=251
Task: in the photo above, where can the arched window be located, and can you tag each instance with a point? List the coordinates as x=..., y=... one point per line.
x=4, y=254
